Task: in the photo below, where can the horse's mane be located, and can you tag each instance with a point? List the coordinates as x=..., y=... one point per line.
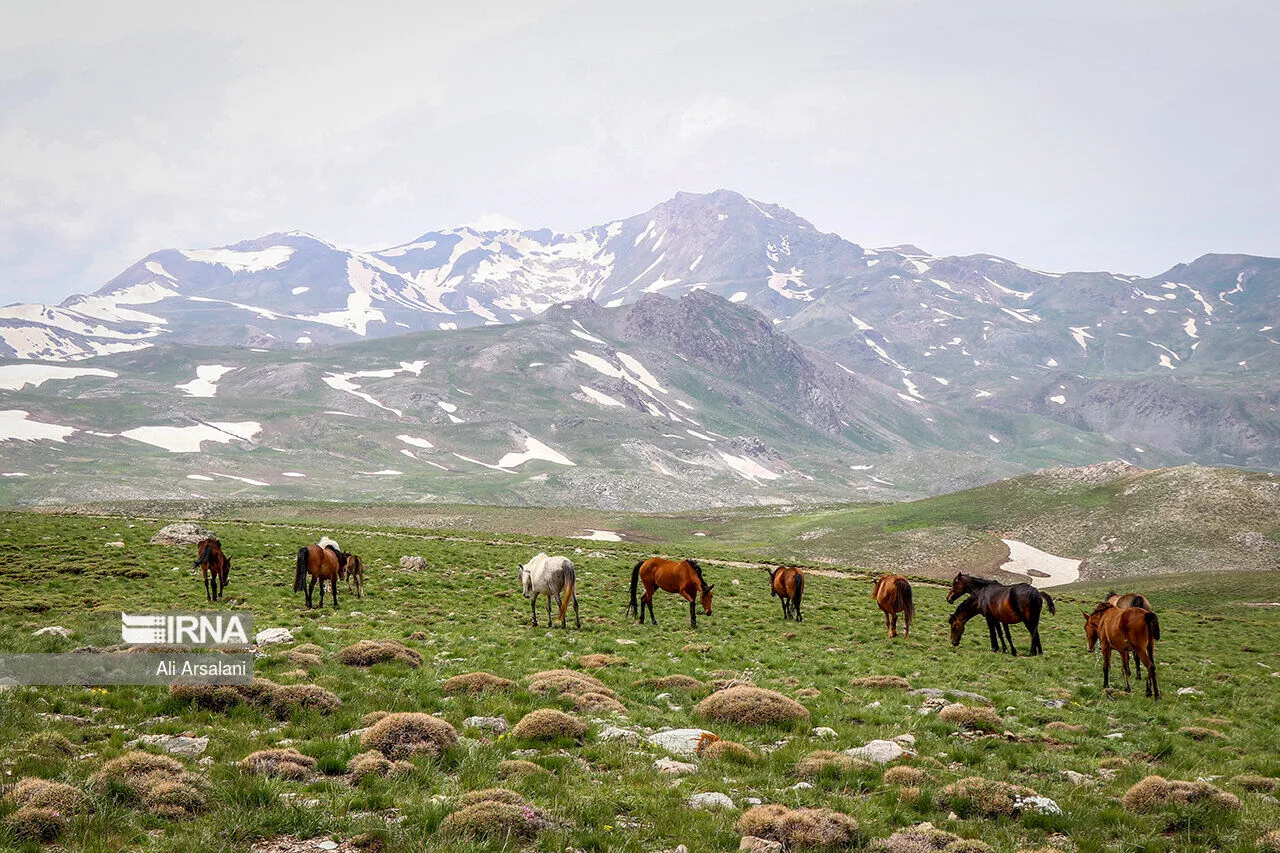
x=969, y=604
x=977, y=581
x=696, y=568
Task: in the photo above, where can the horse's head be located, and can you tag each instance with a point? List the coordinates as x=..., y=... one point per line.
x=957, y=628
x=959, y=586
x=526, y=581
x=1090, y=629
x=706, y=598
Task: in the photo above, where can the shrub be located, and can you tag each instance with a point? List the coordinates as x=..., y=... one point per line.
x=36, y=823
x=304, y=659
x=474, y=683
x=548, y=724
x=279, y=764
x=372, y=717
x=797, y=828
x=600, y=661
x=281, y=699
x=493, y=814
x=400, y=736
x=881, y=682
x=683, y=683
x=971, y=718
x=903, y=776
x=517, y=768
x=829, y=764
x=1155, y=792
x=158, y=783
x=925, y=838
x=370, y=652
x=752, y=706
x=566, y=682
x=46, y=794
x=374, y=763
x=809, y=693
x=977, y=796
x=288, y=698
x=598, y=702
x=1270, y=841
x=727, y=750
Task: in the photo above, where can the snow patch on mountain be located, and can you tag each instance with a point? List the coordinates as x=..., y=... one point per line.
x=15, y=377
x=241, y=261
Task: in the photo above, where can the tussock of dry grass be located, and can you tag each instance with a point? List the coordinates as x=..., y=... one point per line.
x=977, y=796
x=925, y=838
x=492, y=815
x=517, y=768
x=752, y=706
x=36, y=823
x=304, y=659
x=905, y=776
x=474, y=684
x=491, y=795
x=47, y=794
x=696, y=648
x=158, y=783
x=684, y=683
x=598, y=702
x=824, y=762
x=799, y=828
x=1256, y=783
x=49, y=743
x=727, y=750
x=809, y=693
x=281, y=699
x=1155, y=792
x=881, y=682
x=1201, y=733
x=288, y=698
x=1270, y=841
x=374, y=763
x=566, y=682
x=1114, y=762
x=1060, y=726
x=372, y=717
x=600, y=661
x=278, y=764
x=370, y=652
x=985, y=719
x=403, y=735
x=548, y=724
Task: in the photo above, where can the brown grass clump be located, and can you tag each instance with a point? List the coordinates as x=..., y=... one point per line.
x=1256, y=783
x=798, y=828
x=977, y=796
x=548, y=724
x=826, y=763
x=1060, y=726
x=696, y=648
x=374, y=763
x=566, y=682
x=925, y=838
x=494, y=821
x=372, y=717
x=752, y=706
x=304, y=659
x=279, y=764
x=403, y=735
x=598, y=702
x=909, y=795
x=1155, y=792
x=474, y=684
x=727, y=750
x=1114, y=762
x=881, y=682
x=905, y=776
x=281, y=699
x=35, y=823
x=310, y=649
x=210, y=697
x=1200, y=733
x=158, y=783
x=600, y=661
x=46, y=794
x=985, y=719
x=683, y=683
x=492, y=795
x=1270, y=841
x=809, y=693
x=517, y=768
x=49, y=743
x=288, y=698
x=369, y=652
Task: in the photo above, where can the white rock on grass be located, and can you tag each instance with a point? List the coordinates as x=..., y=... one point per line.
x=754, y=844
x=679, y=741
x=1190, y=691
x=711, y=800
x=53, y=631
x=271, y=636
x=674, y=768
x=1042, y=805
x=497, y=725
x=616, y=733
x=173, y=744
x=879, y=751
x=824, y=733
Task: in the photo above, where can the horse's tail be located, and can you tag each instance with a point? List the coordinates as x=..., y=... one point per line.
x=634, y=607
x=1153, y=624
x=908, y=604
x=773, y=591
x=875, y=588
x=299, y=577
x=1049, y=600
x=205, y=555
x=570, y=590
x=799, y=589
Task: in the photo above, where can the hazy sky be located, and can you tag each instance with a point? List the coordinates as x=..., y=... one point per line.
x=1124, y=135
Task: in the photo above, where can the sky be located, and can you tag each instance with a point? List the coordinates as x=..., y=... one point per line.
x=1127, y=136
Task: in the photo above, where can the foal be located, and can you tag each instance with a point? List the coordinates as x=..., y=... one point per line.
x=788, y=584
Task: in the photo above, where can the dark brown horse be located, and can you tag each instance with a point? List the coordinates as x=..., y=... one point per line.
x=1125, y=630
x=354, y=570
x=893, y=594
x=683, y=577
x=1002, y=606
x=787, y=583
x=214, y=565
x=323, y=563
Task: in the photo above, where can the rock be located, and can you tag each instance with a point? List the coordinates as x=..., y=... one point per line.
x=678, y=741
x=271, y=636
x=711, y=800
x=907, y=740
x=1055, y=703
x=673, y=767
x=625, y=642
x=752, y=801
x=182, y=533
x=616, y=733
x=754, y=844
x=735, y=582
x=936, y=693
x=875, y=704
x=879, y=751
x=1041, y=805
x=173, y=744
x=1114, y=736
x=327, y=844
x=496, y=725
x=53, y=631
x=662, y=697
x=1075, y=778
x=801, y=786
x=1190, y=691
x=825, y=733
x=415, y=563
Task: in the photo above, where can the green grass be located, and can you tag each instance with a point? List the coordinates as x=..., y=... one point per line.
x=607, y=795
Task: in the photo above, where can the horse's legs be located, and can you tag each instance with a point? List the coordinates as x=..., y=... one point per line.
x=893, y=624
x=333, y=582
x=207, y=595
x=693, y=613
x=533, y=605
x=576, y=618
x=1106, y=666
x=906, y=621
x=796, y=606
x=1153, y=688
x=550, y=624
x=993, y=632
x=1008, y=635
x=888, y=627
x=311, y=586
x=1124, y=664
x=786, y=607
x=649, y=587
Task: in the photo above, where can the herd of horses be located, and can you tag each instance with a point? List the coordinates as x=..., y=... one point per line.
x=1122, y=623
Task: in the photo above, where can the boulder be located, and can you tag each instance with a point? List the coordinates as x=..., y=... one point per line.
x=412, y=562
x=182, y=533
x=495, y=725
x=711, y=800
x=53, y=631
x=673, y=767
x=173, y=744
x=879, y=751
x=753, y=844
x=271, y=636
x=679, y=741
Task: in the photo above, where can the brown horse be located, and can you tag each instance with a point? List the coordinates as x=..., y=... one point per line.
x=213, y=565
x=1124, y=602
x=354, y=570
x=325, y=563
x=788, y=584
x=893, y=594
x=683, y=577
x=1002, y=606
x=1124, y=630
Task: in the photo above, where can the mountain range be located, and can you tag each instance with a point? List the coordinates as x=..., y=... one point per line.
x=838, y=369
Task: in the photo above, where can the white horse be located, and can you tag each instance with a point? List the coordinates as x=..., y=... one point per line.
x=550, y=576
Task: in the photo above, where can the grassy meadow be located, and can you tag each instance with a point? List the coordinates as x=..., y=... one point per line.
x=464, y=613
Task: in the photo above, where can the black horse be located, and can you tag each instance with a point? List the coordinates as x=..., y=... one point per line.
x=1002, y=606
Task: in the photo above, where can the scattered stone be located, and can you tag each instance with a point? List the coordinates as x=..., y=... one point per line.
x=612, y=732
x=1040, y=805
x=673, y=767
x=907, y=740
x=753, y=844
x=182, y=533
x=172, y=744
x=824, y=733
x=711, y=800
x=412, y=562
x=53, y=631
x=879, y=751
x=272, y=636
x=1190, y=691
x=494, y=725
x=1076, y=778
x=680, y=741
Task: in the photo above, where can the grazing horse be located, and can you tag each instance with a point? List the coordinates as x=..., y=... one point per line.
x=893, y=594
x=214, y=564
x=1125, y=630
x=683, y=577
x=354, y=570
x=1131, y=599
x=1007, y=605
x=552, y=577
x=787, y=584
x=324, y=563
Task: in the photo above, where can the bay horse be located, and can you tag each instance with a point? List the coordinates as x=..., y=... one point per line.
x=893, y=594
x=323, y=563
x=552, y=577
x=1125, y=630
x=1130, y=599
x=354, y=570
x=683, y=577
x=788, y=584
x=213, y=565
x=1006, y=605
